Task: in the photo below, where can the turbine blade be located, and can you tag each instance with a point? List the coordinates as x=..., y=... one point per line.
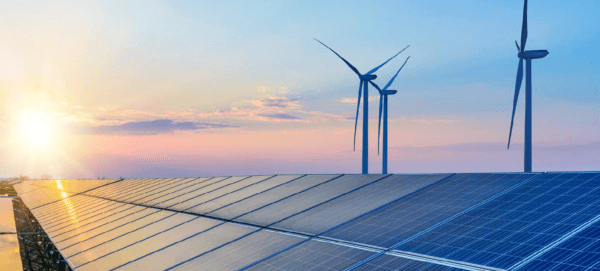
x=517, y=89
x=379, y=127
x=518, y=48
x=524, y=28
x=392, y=80
x=357, y=107
x=377, y=68
x=376, y=86
x=347, y=63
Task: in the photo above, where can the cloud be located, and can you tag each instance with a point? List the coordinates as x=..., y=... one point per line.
x=153, y=127
x=282, y=116
x=354, y=100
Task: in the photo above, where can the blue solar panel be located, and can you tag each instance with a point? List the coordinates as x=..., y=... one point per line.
x=515, y=225
x=390, y=262
x=579, y=252
x=313, y=255
x=412, y=214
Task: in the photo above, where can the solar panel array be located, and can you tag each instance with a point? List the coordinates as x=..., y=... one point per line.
x=478, y=221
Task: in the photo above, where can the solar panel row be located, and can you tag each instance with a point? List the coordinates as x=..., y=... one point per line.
x=489, y=220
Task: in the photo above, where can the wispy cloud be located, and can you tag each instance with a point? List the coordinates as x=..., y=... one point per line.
x=282, y=116
x=355, y=100
x=154, y=127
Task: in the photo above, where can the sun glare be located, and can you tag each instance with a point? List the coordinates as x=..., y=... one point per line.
x=36, y=128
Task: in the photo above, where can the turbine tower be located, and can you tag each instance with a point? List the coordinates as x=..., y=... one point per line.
x=364, y=79
x=383, y=100
x=528, y=56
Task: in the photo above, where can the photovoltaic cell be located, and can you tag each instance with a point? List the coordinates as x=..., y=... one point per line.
x=241, y=253
x=185, y=249
x=131, y=231
x=242, y=193
x=121, y=250
x=42, y=197
x=289, y=206
x=425, y=208
x=389, y=262
x=580, y=252
x=313, y=255
x=190, y=204
x=83, y=234
x=173, y=189
x=181, y=183
x=186, y=192
x=330, y=214
x=515, y=225
x=69, y=232
x=277, y=193
x=204, y=189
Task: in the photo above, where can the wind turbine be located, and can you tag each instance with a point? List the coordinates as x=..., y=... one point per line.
x=364, y=79
x=383, y=100
x=528, y=56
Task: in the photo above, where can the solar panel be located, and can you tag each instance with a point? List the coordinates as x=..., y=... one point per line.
x=188, y=205
x=289, y=206
x=579, y=252
x=145, y=189
x=42, y=196
x=337, y=211
x=86, y=232
x=168, y=199
x=204, y=189
x=9, y=252
x=389, y=262
x=243, y=193
x=121, y=250
x=10, y=258
x=7, y=216
x=182, y=250
x=511, y=227
x=272, y=195
x=313, y=255
x=172, y=189
x=425, y=208
x=130, y=231
x=69, y=232
x=180, y=183
x=74, y=186
x=243, y=252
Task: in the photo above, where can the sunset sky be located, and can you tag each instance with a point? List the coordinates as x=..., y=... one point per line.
x=198, y=88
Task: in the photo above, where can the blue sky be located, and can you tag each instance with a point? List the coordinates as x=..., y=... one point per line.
x=253, y=69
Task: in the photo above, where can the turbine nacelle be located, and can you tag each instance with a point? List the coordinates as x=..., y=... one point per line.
x=533, y=54
x=389, y=92
x=368, y=77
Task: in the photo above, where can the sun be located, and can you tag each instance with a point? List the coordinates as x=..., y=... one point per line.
x=36, y=128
